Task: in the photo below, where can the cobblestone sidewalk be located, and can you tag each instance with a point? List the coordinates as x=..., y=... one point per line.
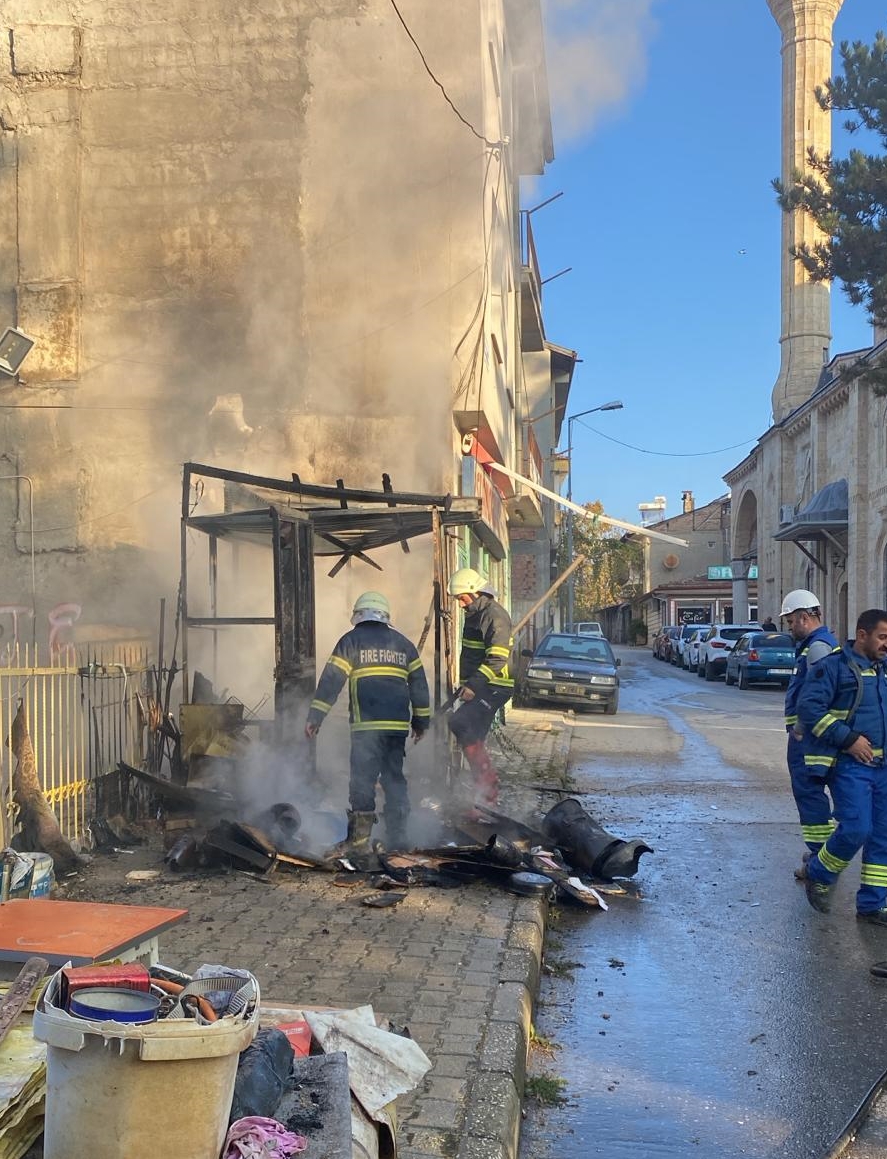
x=459, y=966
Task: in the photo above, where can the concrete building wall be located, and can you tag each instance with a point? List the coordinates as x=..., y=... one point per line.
x=258, y=238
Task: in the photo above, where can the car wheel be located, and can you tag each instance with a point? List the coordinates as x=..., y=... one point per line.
x=700, y=670
x=710, y=673
x=612, y=705
x=728, y=679
x=743, y=680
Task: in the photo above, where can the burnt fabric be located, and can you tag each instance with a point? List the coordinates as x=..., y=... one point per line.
x=379, y=756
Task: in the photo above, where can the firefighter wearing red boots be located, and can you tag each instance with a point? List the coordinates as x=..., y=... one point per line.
x=486, y=684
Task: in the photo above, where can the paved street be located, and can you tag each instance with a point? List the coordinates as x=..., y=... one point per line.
x=717, y=1014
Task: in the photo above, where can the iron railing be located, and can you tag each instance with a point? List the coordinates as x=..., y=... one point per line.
x=83, y=715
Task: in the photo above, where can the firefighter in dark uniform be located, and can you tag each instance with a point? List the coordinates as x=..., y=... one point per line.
x=803, y=618
x=486, y=684
x=388, y=699
x=843, y=709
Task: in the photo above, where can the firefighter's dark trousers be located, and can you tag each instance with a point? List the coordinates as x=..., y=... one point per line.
x=473, y=719
x=811, y=798
x=379, y=756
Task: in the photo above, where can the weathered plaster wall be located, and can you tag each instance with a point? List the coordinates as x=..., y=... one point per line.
x=252, y=238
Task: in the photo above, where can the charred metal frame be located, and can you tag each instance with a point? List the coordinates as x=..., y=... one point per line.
x=304, y=520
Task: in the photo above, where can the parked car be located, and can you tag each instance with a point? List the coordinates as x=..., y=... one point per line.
x=716, y=646
x=761, y=657
x=679, y=644
x=567, y=668
x=589, y=628
x=691, y=651
x=656, y=643
x=668, y=643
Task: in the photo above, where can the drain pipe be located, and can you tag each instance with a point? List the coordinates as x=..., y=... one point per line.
x=584, y=512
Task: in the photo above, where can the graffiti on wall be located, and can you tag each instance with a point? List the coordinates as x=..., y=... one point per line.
x=18, y=629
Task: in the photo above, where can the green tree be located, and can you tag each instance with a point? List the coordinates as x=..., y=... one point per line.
x=612, y=564
x=847, y=197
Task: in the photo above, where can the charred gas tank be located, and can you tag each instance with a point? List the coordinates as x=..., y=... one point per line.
x=587, y=846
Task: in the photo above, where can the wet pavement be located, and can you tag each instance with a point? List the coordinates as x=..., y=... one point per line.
x=717, y=1014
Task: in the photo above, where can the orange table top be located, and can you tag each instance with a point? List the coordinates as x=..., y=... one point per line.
x=82, y=932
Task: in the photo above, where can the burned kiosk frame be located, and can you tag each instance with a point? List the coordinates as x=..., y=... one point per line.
x=300, y=521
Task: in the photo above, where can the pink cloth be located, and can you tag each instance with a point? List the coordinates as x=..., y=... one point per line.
x=258, y=1138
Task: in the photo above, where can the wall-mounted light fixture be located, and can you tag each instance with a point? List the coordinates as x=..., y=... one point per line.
x=15, y=346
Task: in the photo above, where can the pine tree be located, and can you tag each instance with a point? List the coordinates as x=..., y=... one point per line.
x=847, y=197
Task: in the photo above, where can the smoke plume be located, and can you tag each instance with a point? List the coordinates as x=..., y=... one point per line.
x=596, y=59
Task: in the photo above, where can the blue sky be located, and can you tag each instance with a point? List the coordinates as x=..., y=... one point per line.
x=666, y=141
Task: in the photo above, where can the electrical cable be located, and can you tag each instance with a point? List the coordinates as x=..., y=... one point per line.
x=671, y=454
x=447, y=98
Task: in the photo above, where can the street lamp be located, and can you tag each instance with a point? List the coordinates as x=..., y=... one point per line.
x=615, y=405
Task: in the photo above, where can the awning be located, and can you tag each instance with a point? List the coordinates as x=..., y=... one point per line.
x=823, y=517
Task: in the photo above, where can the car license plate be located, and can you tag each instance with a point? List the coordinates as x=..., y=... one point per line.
x=781, y=671
x=570, y=689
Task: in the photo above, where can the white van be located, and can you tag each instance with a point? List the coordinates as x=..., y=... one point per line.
x=589, y=628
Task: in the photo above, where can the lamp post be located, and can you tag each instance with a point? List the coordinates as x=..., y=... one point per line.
x=615, y=405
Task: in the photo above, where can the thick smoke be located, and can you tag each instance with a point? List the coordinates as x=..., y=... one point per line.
x=596, y=58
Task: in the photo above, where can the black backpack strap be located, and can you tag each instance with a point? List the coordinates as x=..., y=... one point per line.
x=857, y=673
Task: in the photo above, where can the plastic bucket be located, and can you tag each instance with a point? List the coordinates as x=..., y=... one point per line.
x=139, y=1091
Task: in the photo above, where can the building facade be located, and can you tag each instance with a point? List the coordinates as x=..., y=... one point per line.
x=262, y=239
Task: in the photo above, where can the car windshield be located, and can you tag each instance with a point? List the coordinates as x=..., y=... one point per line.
x=574, y=648
x=772, y=640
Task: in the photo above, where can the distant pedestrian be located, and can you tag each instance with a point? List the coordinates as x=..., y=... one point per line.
x=843, y=706
x=813, y=641
x=388, y=698
x=769, y=626
x=485, y=681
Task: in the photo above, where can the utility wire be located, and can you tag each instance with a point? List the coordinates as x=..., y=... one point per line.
x=447, y=98
x=671, y=454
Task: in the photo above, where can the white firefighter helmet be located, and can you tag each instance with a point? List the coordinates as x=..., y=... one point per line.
x=800, y=600
x=371, y=606
x=466, y=582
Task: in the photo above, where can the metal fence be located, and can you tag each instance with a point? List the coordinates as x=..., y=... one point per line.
x=83, y=714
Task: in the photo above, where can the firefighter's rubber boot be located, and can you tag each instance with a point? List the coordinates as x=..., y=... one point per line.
x=819, y=895
x=486, y=779
x=801, y=871
x=396, y=831
x=357, y=839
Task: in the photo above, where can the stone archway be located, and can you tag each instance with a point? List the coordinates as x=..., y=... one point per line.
x=744, y=536
x=744, y=532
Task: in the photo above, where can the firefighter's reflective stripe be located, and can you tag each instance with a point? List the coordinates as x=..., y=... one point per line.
x=830, y=718
x=790, y=720
x=830, y=862
x=814, y=761
x=478, y=644
x=379, y=726
x=415, y=666
x=341, y=662
x=422, y=712
x=818, y=834
x=378, y=670
x=497, y=650
x=873, y=874
x=321, y=705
